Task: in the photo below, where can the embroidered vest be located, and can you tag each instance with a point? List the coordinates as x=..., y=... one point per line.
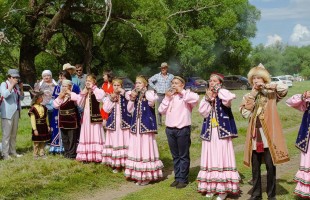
x=226, y=123
x=41, y=125
x=94, y=106
x=125, y=115
x=145, y=115
x=68, y=115
x=302, y=140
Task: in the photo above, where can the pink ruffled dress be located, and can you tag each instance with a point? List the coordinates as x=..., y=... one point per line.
x=91, y=141
x=143, y=163
x=115, y=150
x=218, y=172
x=302, y=176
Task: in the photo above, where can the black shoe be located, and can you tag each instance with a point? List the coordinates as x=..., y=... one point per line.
x=181, y=185
x=175, y=183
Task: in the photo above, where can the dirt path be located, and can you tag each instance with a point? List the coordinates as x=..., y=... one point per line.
x=118, y=193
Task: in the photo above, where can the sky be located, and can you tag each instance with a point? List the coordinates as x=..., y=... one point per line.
x=286, y=21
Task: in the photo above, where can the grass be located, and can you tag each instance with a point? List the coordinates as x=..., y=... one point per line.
x=59, y=178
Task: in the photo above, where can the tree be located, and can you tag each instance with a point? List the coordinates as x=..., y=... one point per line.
x=199, y=36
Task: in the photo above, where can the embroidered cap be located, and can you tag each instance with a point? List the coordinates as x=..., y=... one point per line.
x=218, y=75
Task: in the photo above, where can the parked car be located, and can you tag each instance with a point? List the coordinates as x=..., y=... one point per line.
x=26, y=102
x=286, y=80
x=236, y=82
x=196, y=84
x=127, y=83
x=279, y=79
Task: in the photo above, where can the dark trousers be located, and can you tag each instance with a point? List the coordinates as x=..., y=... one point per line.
x=159, y=100
x=69, y=140
x=256, y=174
x=179, y=141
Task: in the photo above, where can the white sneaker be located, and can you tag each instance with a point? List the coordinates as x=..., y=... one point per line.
x=18, y=155
x=115, y=171
x=221, y=196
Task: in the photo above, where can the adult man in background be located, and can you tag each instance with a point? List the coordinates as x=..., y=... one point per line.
x=161, y=82
x=81, y=76
x=11, y=95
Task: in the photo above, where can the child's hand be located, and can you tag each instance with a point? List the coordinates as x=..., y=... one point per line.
x=62, y=94
x=306, y=94
x=36, y=133
x=49, y=129
x=133, y=95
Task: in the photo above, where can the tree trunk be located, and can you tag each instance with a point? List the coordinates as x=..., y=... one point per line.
x=27, y=56
x=88, y=53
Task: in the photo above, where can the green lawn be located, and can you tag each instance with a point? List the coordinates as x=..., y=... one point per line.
x=59, y=178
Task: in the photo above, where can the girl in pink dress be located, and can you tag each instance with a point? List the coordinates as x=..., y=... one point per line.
x=302, y=177
x=91, y=137
x=118, y=124
x=143, y=164
x=218, y=173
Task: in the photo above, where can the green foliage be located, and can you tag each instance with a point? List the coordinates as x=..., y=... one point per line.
x=198, y=36
x=280, y=59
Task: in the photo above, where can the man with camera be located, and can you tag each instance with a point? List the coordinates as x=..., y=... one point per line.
x=11, y=95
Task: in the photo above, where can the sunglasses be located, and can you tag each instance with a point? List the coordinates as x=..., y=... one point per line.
x=79, y=70
x=15, y=77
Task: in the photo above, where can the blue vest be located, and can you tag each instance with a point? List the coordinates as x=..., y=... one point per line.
x=227, y=126
x=125, y=115
x=302, y=140
x=145, y=115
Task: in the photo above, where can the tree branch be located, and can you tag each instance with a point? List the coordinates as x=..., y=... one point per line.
x=108, y=5
x=191, y=10
x=52, y=26
x=131, y=25
x=180, y=35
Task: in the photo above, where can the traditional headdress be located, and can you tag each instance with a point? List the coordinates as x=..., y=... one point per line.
x=37, y=95
x=218, y=75
x=259, y=71
x=179, y=78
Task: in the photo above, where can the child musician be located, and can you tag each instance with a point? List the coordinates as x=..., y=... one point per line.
x=218, y=173
x=142, y=164
x=68, y=118
x=40, y=125
x=302, y=177
x=91, y=140
x=118, y=124
x=177, y=106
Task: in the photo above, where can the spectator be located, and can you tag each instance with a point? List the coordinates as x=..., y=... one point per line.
x=11, y=95
x=81, y=76
x=161, y=82
x=107, y=87
x=72, y=70
x=47, y=86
